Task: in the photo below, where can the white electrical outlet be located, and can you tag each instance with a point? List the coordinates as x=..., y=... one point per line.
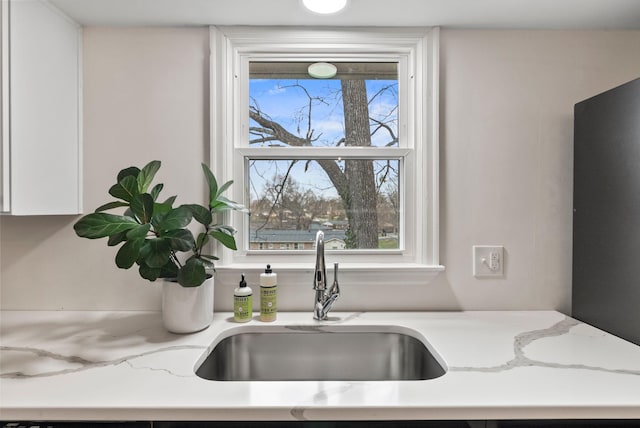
x=488, y=260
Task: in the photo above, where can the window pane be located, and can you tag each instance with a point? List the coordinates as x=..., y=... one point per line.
x=354, y=201
x=357, y=107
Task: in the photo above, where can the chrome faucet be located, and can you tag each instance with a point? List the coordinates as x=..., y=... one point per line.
x=324, y=297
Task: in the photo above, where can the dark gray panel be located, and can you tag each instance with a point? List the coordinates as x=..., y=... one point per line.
x=606, y=221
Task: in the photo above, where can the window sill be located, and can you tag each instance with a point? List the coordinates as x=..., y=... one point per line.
x=349, y=273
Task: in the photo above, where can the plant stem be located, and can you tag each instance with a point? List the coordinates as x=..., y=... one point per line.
x=175, y=260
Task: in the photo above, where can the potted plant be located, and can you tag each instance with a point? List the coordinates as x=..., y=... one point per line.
x=155, y=237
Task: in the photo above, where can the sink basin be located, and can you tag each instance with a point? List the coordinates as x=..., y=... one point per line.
x=320, y=354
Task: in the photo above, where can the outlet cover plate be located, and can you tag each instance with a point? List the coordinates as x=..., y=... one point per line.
x=488, y=261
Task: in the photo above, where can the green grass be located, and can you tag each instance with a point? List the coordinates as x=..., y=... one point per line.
x=388, y=243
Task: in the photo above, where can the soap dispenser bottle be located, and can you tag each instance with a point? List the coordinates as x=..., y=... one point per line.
x=242, y=302
x=268, y=295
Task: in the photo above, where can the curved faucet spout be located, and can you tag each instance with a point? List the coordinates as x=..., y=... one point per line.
x=324, y=297
x=320, y=277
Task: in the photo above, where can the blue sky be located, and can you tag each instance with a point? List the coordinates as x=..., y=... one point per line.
x=287, y=104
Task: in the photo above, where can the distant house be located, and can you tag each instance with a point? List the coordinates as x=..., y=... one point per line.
x=274, y=239
x=329, y=225
x=333, y=243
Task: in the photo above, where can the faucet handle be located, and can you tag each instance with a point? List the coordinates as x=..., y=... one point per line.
x=335, y=288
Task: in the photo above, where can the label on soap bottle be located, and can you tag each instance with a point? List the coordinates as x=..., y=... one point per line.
x=268, y=303
x=242, y=308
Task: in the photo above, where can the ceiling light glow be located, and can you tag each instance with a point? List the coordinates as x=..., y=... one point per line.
x=325, y=7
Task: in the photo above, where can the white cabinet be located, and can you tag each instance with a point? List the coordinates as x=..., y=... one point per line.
x=41, y=110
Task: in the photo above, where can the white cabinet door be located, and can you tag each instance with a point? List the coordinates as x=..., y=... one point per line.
x=42, y=158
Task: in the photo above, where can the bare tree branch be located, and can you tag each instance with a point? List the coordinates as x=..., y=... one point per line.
x=333, y=171
x=279, y=190
x=278, y=131
x=382, y=125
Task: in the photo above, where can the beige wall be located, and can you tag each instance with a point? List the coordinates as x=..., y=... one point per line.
x=145, y=98
x=506, y=166
x=507, y=102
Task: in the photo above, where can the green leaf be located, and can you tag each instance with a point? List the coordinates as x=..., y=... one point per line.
x=177, y=218
x=142, y=207
x=155, y=192
x=208, y=264
x=170, y=201
x=180, y=239
x=224, y=204
x=170, y=270
x=211, y=183
x=224, y=187
x=208, y=261
x=145, y=177
x=149, y=273
x=100, y=225
x=159, y=212
x=111, y=205
x=156, y=252
x=126, y=188
x=203, y=238
x=224, y=238
x=200, y=213
x=160, y=208
x=131, y=171
x=129, y=253
x=224, y=228
x=192, y=274
x=138, y=232
x=117, y=238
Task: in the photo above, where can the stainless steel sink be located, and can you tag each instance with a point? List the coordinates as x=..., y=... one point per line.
x=320, y=354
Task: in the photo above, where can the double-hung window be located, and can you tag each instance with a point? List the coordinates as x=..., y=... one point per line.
x=332, y=130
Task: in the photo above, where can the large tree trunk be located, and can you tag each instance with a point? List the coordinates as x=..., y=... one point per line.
x=356, y=186
x=361, y=207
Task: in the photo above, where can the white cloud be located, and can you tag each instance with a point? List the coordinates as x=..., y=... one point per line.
x=276, y=90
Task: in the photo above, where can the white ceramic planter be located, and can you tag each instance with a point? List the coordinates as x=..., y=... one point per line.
x=187, y=309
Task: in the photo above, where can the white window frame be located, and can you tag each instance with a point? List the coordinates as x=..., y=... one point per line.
x=416, y=50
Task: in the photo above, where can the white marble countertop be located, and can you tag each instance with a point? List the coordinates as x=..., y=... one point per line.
x=501, y=365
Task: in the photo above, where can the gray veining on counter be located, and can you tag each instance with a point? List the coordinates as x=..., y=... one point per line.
x=319, y=398
x=526, y=338
x=131, y=364
x=84, y=363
